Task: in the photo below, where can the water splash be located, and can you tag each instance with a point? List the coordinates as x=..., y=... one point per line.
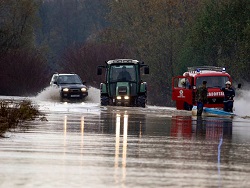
x=93, y=96
x=242, y=103
x=49, y=94
x=52, y=94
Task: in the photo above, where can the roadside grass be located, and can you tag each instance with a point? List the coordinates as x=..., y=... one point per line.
x=14, y=113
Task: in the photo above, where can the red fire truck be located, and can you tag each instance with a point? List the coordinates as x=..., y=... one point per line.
x=184, y=87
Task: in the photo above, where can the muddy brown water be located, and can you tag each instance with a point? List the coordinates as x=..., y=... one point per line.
x=85, y=145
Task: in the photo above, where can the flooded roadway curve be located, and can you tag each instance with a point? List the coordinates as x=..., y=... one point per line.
x=85, y=145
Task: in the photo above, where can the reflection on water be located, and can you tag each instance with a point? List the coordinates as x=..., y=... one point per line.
x=81, y=125
x=213, y=128
x=117, y=140
x=65, y=125
x=124, y=145
x=121, y=131
x=82, y=128
x=199, y=127
x=181, y=126
x=120, y=148
x=219, y=156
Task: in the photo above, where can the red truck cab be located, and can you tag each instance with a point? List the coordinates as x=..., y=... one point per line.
x=184, y=87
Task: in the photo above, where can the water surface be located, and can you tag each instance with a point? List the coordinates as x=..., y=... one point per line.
x=85, y=145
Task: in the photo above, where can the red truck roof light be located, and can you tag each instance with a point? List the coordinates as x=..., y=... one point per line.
x=199, y=69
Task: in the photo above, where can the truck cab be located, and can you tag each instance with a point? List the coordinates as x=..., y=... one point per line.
x=184, y=87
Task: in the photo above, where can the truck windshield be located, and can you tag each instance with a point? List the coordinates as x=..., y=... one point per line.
x=122, y=73
x=69, y=79
x=212, y=81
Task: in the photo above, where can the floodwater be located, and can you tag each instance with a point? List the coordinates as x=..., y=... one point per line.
x=85, y=145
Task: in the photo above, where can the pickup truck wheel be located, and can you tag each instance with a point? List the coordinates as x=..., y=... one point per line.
x=104, y=101
x=141, y=101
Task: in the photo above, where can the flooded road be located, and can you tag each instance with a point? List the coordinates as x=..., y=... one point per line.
x=85, y=145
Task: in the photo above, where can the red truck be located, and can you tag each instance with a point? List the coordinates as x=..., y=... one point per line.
x=184, y=87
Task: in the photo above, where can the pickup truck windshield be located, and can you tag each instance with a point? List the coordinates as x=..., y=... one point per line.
x=212, y=81
x=69, y=79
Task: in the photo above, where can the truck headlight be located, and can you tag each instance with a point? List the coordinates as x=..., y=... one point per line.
x=83, y=89
x=65, y=89
x=126, y=97
x=119, y=97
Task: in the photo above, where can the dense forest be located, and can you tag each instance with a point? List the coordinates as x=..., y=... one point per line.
x=39, y=37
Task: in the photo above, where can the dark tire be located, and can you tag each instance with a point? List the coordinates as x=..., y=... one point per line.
x=104, y=101
x=141, y=101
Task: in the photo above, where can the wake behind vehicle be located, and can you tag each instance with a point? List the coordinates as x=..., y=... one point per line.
x=70, y=86
x=184, y=87
x=123, y=85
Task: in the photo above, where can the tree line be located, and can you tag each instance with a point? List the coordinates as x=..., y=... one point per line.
x=77, y=35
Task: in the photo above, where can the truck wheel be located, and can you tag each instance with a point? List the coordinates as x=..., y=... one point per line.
x=104, y=101
x=141, y=101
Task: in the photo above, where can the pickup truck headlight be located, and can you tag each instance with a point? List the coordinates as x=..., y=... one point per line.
x=83, y=89
x=65, y=89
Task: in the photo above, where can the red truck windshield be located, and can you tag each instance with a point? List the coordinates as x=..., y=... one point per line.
x=212, y=81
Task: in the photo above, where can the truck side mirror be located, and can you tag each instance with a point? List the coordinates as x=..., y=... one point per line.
x=239, y=86
x=99, y=71
x=146, y=70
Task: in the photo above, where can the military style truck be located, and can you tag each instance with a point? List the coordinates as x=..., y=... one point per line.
x=123, y=85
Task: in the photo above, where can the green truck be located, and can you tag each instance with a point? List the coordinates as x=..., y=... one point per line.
x=123, y=85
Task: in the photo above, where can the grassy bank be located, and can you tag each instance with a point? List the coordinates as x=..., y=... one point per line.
x=14, y=113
